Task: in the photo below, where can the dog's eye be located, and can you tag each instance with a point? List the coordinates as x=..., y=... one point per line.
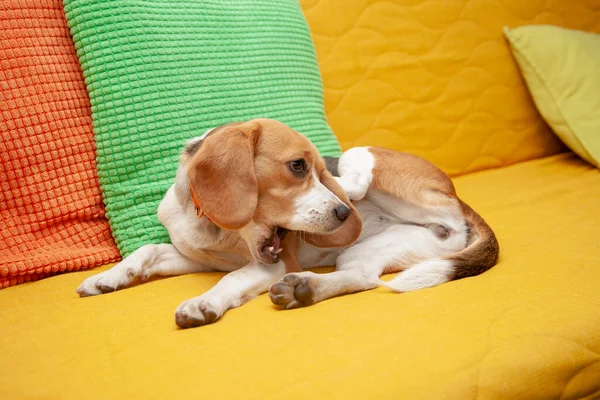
x=298, y=167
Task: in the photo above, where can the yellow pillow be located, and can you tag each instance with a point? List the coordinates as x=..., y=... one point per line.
x=562, y=70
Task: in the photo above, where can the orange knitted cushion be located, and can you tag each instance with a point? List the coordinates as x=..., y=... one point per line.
x=51, y=211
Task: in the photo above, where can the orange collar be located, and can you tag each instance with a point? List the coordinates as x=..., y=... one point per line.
x=199, y=211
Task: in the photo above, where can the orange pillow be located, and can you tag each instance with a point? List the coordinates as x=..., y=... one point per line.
x=51, y=211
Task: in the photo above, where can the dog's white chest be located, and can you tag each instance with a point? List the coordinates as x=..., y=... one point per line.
x=200, y=240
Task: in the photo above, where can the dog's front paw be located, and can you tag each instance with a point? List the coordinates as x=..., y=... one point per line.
x=197, y=312
x=104, y=282
x=293, y=291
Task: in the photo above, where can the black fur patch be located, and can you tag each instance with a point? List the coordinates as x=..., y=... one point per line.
x=192, y=148
x=332, y=165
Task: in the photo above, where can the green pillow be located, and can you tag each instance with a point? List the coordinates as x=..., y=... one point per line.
x=161, y=72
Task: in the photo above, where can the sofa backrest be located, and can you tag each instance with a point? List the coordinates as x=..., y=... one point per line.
x=435, y=78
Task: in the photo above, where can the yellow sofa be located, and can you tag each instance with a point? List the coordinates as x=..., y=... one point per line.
x=431, y=77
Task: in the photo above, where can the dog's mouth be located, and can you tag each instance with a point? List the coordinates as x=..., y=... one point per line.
x=272, y=247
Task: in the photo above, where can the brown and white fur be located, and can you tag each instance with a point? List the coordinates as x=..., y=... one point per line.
x=412, y=221
x=245, y=180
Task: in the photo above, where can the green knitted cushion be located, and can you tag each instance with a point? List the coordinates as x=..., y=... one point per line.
x=161, y=72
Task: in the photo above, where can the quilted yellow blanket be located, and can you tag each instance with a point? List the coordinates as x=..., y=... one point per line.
x=527, y=329
x=436, y=78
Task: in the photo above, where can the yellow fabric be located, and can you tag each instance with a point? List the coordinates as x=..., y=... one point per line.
x=527, y=329
x=562, y=70
x=435, y=78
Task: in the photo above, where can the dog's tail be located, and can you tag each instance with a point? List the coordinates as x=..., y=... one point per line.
x=480, y=255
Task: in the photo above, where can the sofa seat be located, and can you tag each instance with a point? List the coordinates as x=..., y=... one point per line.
x=527, y=329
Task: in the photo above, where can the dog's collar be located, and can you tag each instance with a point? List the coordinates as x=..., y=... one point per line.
x=199, y=210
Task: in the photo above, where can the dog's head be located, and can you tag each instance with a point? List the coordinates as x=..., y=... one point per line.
x=263, y=178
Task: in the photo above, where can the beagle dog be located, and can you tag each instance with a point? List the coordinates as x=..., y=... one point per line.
x=256, y=200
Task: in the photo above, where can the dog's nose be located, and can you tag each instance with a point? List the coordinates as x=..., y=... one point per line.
x=342, y=212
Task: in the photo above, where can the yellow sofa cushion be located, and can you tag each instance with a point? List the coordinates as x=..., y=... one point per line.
x=435, y=78
x=562, y=70
x=526, y=329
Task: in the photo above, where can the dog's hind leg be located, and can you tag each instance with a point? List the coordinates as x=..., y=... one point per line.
x=355, y=168
x=145, y=262
x=359, y=267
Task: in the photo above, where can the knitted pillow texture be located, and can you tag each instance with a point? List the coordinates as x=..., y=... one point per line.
x=161, y=72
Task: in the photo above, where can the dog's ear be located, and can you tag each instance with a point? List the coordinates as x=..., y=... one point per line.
x=350, y=230
x=221, y=175
x=289, y=255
